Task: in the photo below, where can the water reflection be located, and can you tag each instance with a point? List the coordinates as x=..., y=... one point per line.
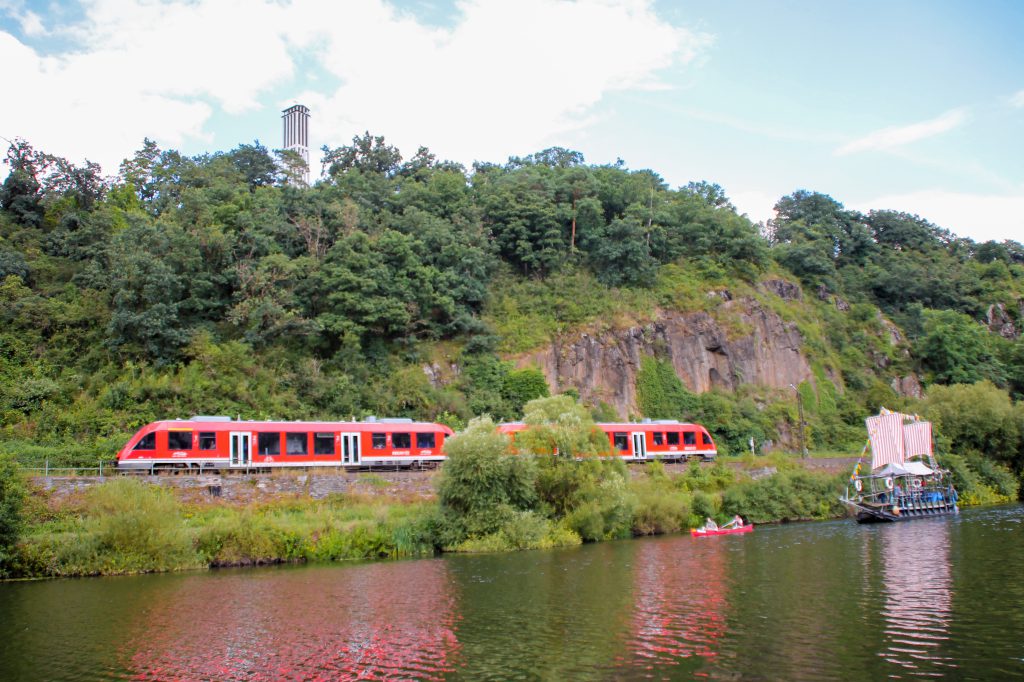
x=681, y=590
x=543, y=615
x=366, y=622
x=917, y=597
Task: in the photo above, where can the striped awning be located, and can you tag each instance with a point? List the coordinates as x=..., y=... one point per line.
x=885, y=431
x=917, y=439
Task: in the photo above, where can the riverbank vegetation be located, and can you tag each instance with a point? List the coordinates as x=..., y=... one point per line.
x=552, y=487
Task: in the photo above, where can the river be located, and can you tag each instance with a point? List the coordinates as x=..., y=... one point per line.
x=813, y=601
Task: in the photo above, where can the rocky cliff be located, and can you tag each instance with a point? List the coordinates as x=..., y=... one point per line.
x=754, y=346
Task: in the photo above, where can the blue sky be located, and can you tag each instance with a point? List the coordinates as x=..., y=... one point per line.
x=911, y=105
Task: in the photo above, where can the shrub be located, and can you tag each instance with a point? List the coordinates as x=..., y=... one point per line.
x=785, y=496
x=560, y=424
x=481, y=483
x=12, y=501
x=136, y=527
x=660, y=510
x=245, y=538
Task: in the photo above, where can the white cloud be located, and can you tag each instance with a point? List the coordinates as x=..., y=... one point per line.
x=979, y=216
x=1017, y=99
x=506, y=78
x=889, y=138
x=758, y=205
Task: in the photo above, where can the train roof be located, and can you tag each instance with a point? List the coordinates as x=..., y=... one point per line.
x=654, y=424
x=206, y=423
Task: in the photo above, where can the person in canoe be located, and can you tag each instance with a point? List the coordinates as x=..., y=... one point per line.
x=736, y=522
x=709, y=524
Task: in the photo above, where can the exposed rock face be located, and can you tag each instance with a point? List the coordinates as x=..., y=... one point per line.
x=908, y=386
x=1000, y=322
x=603, y=366
x=786, y=290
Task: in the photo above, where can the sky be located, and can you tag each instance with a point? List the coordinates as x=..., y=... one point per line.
x=916, y=105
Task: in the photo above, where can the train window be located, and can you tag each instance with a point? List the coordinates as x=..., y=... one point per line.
x=689, y=438
x=621, y=440
x=179, y=440
x=379, y=441
x=400, y=440
x=659, y=438
x=207, y=440
x=296, y=443
x=148, y=442
x=673, y=437
x=705, y=439
x=323, y=444
x=425, y=440
x=269, y=444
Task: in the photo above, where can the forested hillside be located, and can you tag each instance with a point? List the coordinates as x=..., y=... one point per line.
x=417, y=287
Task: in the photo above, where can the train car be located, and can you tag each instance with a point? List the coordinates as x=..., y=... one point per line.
x=660, y=439
x=649, y=439
x=204, y=442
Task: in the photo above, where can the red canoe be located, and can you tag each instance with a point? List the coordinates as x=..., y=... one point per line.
x=700, y=532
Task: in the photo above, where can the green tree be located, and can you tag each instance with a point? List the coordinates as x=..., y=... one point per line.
x=954, y=349
x=12, y=500
x=520, y=386
x=560, y=424
x=482, y=485
x=978, y=417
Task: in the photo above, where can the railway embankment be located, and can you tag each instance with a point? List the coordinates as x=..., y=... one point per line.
x=250, y=488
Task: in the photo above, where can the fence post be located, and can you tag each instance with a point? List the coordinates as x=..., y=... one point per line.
x=46, y=471
x=101, y=468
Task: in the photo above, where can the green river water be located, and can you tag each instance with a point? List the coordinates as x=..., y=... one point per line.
x=815, y=601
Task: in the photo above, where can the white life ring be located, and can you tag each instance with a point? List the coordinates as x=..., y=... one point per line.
x=917, y=482
x=858, y=486
x=888, y=483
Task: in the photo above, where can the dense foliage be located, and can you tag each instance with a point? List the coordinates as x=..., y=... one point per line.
x=213, y=284
x=12, y=500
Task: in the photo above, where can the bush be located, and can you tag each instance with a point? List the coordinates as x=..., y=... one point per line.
x=12, y=502
x=136, y=527
x=481, y=484
x=785, y=496
x=559, y=424
x=660, y=509
x=979, y=480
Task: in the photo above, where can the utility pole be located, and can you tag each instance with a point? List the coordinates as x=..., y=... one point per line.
x=803, y=424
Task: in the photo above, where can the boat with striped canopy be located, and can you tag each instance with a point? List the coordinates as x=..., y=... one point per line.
x=903, y=480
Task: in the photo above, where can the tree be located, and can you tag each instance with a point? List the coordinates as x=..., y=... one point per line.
x=954, y=349
x=256, y=165
x=366, y=154
x=520, y=386
x=379, y=287
x=620, y=255
x=12, y=500
x=560, y=424
x=482, y=484
x=979, y=417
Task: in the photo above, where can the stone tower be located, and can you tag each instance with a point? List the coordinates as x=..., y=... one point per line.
x=296, y=134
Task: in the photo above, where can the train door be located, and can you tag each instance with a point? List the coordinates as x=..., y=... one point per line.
x=350, y=448
x=240, y=448
x=639, y=445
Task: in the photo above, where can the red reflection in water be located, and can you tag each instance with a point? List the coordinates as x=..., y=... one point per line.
x=681, y=603
x=917, y=583
x=361, y=622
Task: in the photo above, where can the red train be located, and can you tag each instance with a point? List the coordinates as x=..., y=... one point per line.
x=223, y=443
x=649, y=439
